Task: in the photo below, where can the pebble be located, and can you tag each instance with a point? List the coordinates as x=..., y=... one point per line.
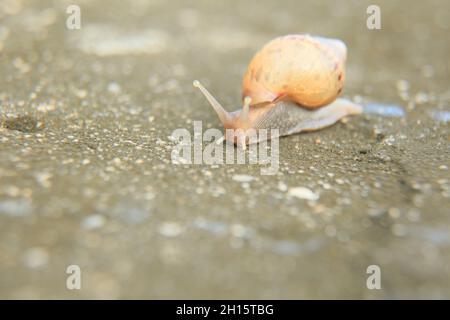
x=214, y=227
x=114, y=88
x=93, y=222
x=36, y=257
x=282, y=186
x=239, y=231
x=80, y=93
x=21, y=65
x=170, y=229
x=394, y=213
x=402, y=85
x=303, y=193
x=46, y=107
x=15, y=207
x=43, y=178
x=421, y=98
x=243, y=178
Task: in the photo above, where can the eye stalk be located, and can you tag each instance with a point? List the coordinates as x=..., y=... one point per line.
x=223, y=114
x=246, y=108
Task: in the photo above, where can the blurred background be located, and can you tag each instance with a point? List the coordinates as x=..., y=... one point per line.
x=86, y=176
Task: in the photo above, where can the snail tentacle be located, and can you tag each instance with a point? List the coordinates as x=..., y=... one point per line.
x=224, y=115
x=246, y=108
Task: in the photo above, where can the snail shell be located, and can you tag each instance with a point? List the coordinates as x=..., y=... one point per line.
x=307, y=70
x=291, y=85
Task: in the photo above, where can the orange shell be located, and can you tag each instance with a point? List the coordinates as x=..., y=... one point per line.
x=307, y=70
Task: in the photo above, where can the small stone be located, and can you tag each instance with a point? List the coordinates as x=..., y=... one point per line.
x=170, y=229
x=44, y=179
x=93, y=222
x=421, y=98
x=303, y=193
x=394, y=213
x=114, y=88
x=402, y=85
x=80, y=93
x=245, y=185
x=15, y=207
x=239, y=231
x=282, y=186
x=36, y=257
x=46, y=107
x=243, y=178
x=21, y=65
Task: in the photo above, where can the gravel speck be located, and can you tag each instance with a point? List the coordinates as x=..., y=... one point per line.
x=303, y=193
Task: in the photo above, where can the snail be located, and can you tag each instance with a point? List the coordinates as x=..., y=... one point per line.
x=292, y=84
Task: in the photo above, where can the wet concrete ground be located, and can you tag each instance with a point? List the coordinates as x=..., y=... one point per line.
x=86, y=176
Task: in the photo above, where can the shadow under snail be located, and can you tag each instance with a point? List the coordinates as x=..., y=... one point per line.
x=292, y=85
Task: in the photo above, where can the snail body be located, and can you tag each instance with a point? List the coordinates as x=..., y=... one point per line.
x=292, y=85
